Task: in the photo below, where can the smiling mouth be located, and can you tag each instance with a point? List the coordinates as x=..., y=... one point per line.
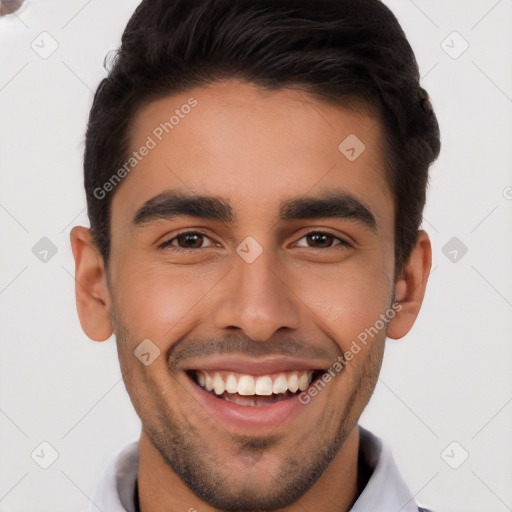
x=254, y=390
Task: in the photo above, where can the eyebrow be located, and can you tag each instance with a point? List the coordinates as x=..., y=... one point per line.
x=329, y=205
x=174, y=203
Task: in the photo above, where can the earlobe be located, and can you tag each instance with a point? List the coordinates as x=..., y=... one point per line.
x=410, y=287
x=91, y=290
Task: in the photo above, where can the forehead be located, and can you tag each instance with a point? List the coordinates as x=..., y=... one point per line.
x=255, y=147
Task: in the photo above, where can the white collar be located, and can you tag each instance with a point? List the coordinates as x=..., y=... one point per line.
x=386, y=491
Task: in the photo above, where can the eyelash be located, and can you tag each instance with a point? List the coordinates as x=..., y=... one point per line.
x=165, y=245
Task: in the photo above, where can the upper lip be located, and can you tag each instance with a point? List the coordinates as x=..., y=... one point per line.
x=253, y=366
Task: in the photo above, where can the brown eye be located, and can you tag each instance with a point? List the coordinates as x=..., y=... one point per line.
x=189, y=240
x=320, y=240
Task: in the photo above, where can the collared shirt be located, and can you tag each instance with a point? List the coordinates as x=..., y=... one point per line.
x=386, y=491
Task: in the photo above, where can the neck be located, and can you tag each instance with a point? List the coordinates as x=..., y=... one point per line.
x=160, y=489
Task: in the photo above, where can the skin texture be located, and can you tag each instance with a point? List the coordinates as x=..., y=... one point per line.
x=302, y=296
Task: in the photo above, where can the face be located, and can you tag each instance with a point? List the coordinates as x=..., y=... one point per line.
x=252, y=253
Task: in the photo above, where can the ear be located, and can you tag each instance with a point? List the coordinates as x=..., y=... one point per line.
x=91, y=289
x=410, y=287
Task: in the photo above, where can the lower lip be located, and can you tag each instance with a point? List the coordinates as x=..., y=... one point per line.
x=253, y=419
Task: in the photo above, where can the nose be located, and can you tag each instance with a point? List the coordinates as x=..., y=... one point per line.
x=256, y=298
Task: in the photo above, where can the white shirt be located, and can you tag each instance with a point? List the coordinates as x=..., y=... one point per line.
x=386, y=491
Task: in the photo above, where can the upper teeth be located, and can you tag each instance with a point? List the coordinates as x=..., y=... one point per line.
x=247, y=385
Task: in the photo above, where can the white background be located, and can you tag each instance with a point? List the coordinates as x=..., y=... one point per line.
x=449, y=380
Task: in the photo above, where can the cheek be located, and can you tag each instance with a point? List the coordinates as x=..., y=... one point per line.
x=152, y=300
x=348, y=299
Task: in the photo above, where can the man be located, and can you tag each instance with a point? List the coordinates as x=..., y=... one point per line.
x=255, y=174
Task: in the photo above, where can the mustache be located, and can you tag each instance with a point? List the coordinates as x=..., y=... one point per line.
x=239, y=344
